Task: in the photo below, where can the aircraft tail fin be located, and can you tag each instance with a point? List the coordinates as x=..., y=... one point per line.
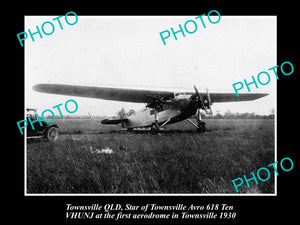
x=114, y=121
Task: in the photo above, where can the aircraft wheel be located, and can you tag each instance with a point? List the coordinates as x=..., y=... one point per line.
x=52, y=134
x=202, y=127
x=154, y=128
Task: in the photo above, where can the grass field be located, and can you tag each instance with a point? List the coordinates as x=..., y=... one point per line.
x=179, y=160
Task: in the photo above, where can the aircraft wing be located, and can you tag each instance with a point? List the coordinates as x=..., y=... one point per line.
x=231, y=97
x=133, y=95
x=107, y=93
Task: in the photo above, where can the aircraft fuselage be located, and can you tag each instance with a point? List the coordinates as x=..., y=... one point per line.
x=171, y=112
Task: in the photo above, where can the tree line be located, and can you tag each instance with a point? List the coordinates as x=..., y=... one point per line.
x=230, y=115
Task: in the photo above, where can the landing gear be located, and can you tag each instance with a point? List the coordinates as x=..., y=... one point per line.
x=200, y=124
x=154, y=128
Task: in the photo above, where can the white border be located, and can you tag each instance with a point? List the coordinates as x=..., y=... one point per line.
x=165, y=194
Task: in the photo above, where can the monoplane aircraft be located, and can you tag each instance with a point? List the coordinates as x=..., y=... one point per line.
x=162, y=107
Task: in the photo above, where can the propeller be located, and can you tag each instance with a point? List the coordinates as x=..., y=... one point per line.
x=199, y=98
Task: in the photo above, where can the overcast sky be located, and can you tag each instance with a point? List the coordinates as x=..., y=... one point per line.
x=128, y=52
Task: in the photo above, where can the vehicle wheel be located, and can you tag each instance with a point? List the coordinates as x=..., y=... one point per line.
x=52, y=134
x=154, y=128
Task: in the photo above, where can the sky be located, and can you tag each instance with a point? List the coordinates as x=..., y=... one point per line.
x=127, y=51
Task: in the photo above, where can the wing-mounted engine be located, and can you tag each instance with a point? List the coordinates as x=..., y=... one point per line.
x=114, y=121
x=156, y=102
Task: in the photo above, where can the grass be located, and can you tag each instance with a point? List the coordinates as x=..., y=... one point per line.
x=180, y=161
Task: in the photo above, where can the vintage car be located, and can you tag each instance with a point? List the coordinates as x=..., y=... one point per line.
x=48, y=131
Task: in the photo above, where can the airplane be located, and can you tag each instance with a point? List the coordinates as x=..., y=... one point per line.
x=162, y=107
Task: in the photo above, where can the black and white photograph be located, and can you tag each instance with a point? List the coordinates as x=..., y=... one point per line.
x=147, y=117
